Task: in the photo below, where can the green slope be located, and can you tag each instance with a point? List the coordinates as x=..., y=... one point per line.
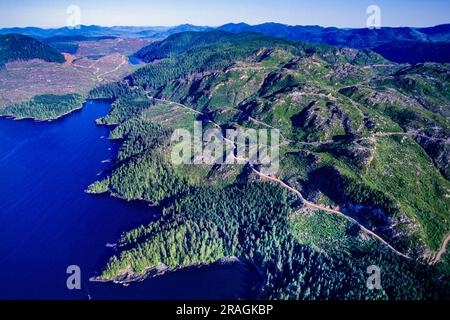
x=15, y=47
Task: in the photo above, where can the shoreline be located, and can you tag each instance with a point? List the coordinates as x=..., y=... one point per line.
x=157, y=271
x=129, y=278
x=58, y=117
x=118, y=197
x=31, y=118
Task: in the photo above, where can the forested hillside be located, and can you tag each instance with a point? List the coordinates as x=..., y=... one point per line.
x=361, y=38
x=19, y=47
x=364, y=141
x=44, y=107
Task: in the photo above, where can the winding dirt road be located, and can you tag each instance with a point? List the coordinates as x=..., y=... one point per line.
x=122, y=63
x=443, y=250
x=332, y=211
x=310, y=204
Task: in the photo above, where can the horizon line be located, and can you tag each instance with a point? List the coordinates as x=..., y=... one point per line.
x=212, y=26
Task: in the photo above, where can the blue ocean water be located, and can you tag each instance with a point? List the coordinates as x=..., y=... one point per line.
x=48, y=223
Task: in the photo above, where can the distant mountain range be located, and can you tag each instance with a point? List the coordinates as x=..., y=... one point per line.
x=403, y=45
x=355, y=38
x=98, y=31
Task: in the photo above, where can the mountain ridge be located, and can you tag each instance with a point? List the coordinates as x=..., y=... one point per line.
x=293, y=32
x=427, y=39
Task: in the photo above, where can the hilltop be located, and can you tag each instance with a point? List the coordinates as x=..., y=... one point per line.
x=15, y=47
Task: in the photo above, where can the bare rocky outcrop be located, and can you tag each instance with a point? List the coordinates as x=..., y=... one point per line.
x=436, y=142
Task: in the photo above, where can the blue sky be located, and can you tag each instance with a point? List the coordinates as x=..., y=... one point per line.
x=340, y=13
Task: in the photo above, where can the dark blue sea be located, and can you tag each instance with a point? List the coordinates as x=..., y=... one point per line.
x=48, y=222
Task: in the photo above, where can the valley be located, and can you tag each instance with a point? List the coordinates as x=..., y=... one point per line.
x=105, y=61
